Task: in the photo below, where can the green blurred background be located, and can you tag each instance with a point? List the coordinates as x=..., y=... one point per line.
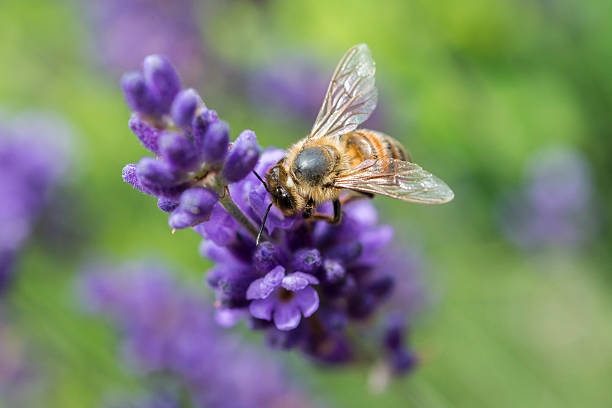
x=472, y=88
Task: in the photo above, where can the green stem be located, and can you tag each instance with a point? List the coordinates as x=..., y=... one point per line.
x=239, y=216
x=220, y=186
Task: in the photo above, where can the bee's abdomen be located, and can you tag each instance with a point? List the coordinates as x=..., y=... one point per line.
x=371, y=145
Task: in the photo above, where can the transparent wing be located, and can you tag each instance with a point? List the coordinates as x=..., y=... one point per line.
x=351, y=96
x=397, y=179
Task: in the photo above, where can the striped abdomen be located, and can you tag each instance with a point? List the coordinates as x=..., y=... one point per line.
x=368, y=144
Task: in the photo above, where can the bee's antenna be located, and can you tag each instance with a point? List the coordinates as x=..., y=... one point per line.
x=262, y=180
x=263, y=223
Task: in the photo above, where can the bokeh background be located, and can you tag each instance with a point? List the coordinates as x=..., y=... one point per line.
x=508, y=101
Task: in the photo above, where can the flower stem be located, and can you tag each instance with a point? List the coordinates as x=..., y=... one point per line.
x=219, y=185
x=231, y=207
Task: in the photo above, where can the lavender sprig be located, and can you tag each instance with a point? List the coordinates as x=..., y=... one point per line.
x=169, y=329
x=193, y=165
x=309, y=285
x=33, y=158
x=554, y=207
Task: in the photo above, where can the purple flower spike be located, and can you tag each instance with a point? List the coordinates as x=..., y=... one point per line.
x=138, y=95
x=215, y=142
x=146, y=133
x=184, y=107
x=242, y=158
x=178, y=150
x=195, y=206
x=283, y=299
x=161, y=77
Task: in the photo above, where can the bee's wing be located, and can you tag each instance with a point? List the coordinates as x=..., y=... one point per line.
x=351, y=95
x=397, y=179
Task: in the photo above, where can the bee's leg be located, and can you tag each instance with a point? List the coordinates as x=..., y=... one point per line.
x=332, y=219
x=337, y=212
x=308, y=209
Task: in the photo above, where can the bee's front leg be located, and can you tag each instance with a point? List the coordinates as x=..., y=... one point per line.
x=335, y=219
x=308, y=209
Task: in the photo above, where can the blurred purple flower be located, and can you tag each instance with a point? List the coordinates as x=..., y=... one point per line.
x=169, y=329
x=294, y=85
x=125, y=31
x=34, y=150
x=17, y=376
x=555, y=204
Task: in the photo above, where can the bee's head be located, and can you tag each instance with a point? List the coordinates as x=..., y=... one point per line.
x=283, y=191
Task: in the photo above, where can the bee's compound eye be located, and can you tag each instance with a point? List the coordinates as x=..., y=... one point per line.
x=285, y=202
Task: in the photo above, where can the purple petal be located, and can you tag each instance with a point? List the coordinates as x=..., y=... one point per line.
x=307, y=300
x=298, y=281
x=294, y=283
x=257, y=290
x=310, y=278
x=287, y=316
x=262, y=287
x=275, y=276
x=262, y=308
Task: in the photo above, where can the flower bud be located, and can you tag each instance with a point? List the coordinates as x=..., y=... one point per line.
x=146, y=133
x=306, y=260
x=128, y=173
x=266, y=257
x=161, y=77
x=167, y=204
x=178, y=150
x=155, y=173
x=195, y=206
x=242, y=157
x=200, y=124
x=334, y=271
x=184, y=107
x=138, y=95
x=215, y=142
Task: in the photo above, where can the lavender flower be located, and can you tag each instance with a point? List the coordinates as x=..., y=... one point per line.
x=33, y=158
x=286, y=298
x=193, y=166
x=554, y=206
x=309, y=285
x=169, y=329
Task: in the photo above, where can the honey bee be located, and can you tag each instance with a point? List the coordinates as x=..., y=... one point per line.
x=336, y=155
